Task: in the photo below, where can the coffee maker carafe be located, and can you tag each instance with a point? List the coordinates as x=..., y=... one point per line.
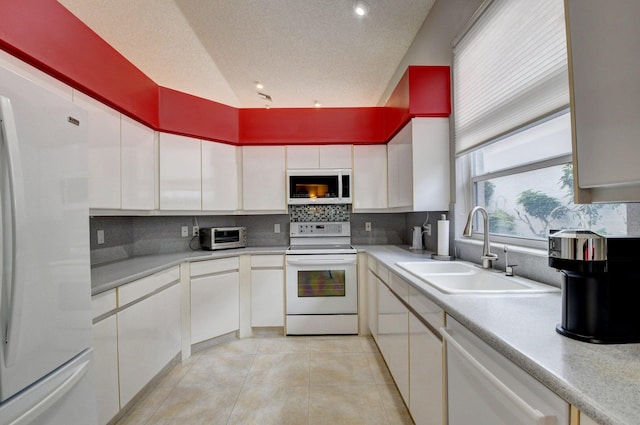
x=601, y=287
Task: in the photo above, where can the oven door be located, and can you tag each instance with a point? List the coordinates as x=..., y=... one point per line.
x=322, y=284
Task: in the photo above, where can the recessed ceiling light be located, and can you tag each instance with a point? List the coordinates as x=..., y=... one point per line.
x=259, y=85
x=360, y=8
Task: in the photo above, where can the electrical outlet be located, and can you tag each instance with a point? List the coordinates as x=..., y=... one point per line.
x=276, y=228
x=195, y=230
x=100, y=237
x=185, y=231
x=367, y=226
x=427, y=229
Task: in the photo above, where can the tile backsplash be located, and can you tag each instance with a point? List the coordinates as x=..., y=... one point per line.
x=127, y=237
x=318, y=213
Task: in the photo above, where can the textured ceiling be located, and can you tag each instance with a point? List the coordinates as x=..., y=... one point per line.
x=301, y=50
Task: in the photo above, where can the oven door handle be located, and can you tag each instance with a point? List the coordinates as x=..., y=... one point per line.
x=319, y=262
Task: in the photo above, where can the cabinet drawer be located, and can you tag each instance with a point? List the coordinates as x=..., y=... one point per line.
x=138, y=289
x=398, y=286
x=104, y=303
x=426, y=308
x=258, y=261
x=378, y=269
x=200, y=268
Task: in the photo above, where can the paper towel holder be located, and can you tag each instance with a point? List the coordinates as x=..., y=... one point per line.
x=443, y=257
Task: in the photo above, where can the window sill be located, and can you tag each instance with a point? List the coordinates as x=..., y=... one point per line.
x=499, y=246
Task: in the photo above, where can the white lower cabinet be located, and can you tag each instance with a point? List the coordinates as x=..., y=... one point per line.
x=425, y=374
x=105, y=356
x=215, y=298
x=393, y=337
x=267, y=290
x=372, y=304
x=148, y=337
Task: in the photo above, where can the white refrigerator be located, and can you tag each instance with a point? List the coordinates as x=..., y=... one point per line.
x=46, y=366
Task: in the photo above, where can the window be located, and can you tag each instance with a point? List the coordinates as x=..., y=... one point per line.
x=525, y=182
x=512, y=124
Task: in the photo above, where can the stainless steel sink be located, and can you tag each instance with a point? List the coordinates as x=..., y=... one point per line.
x=465, y=278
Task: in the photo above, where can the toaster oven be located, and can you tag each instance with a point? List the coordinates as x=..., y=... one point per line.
x=213, y=238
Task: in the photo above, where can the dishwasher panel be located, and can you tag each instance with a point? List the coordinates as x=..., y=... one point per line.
x=485, y=388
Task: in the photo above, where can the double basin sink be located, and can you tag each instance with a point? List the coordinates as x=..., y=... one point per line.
x=465, y=278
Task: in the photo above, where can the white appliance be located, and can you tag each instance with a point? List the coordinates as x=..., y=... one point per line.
x=46, y=366
x=484, y=388
x=321, y=280
x=319, y=186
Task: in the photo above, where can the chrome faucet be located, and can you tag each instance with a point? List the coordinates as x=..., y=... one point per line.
x=487, y=256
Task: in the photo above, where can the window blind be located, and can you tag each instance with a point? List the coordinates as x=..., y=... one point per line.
x=510, y=68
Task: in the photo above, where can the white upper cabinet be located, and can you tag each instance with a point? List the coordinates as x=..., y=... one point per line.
x=264, y=178
x=323, y=156
x=335, y=156
x=104, y=153
x=418, y=166
x=303, y=157
x=603, y=40
x=220, y=171
x=180, y=173
x=138, y=166
x=369, y=177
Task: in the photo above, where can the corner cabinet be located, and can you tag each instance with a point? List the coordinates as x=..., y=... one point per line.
x=418, y=166
x=264, y=179
x=215, y=298
x=602, y=41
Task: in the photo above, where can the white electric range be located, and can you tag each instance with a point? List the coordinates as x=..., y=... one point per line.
x=321, y=280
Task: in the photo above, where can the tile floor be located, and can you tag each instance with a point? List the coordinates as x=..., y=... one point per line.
x=279, y=381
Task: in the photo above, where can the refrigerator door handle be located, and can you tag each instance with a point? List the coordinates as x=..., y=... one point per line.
x=11, y=284
x=43, y=405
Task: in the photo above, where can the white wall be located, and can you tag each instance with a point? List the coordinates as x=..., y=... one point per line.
x=432, y=45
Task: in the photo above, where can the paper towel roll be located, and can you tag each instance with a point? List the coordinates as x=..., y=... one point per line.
x=443, y=237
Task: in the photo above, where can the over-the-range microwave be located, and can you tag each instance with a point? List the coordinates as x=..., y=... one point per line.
x=319, y=186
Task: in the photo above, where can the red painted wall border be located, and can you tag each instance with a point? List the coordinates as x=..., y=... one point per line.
x=46, y=35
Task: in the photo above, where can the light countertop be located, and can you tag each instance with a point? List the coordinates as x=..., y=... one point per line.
x=111, y=275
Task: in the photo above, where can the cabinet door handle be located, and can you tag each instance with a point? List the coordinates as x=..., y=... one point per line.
x=532, y=413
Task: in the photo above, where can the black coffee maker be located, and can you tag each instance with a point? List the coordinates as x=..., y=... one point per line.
x=601, y=288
